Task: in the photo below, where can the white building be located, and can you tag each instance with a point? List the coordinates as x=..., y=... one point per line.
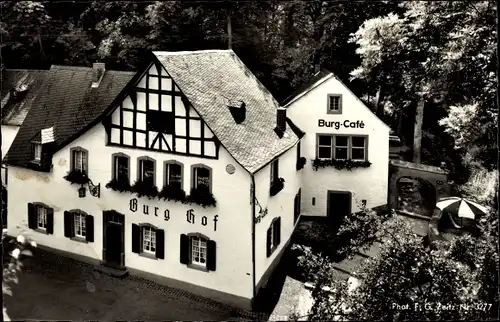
x=197, y=126
x=188, y=172
x=348, y=143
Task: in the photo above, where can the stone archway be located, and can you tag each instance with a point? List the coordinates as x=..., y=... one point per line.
x=430, y=181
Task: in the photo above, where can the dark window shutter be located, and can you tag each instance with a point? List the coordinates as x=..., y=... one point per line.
x=136, y=238
x=89, y=223
x=269, y=242
x=160, y=243
x=211, y=255
x=277, y=231
x=50, y=221
x=68, y=224
x=31, y=216
x=184, y=249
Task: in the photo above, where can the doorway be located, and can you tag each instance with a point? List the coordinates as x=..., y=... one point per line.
x=338, y=206
x=113, y=239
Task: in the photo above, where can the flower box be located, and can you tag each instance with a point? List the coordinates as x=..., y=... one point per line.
x=77, y=177
x=120, y=185
x=172, y=192
x=145, y=189
x=201, y=196
x=339, y=164
x=276, y=186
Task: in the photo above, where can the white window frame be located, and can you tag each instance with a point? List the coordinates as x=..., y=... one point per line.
x=167, y=173
x=148, y=240
x=198, y=245
x=358, y=148
x=37, y=152
x=80, y=225
x=195, y=173
x=331, y=146
x=141, y=169
x=333, y=99
x=116, y=175
x=41, y=217
x=81, y=165
x=335, y=146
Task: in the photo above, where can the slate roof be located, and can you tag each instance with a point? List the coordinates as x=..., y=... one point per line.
x=210, y=79
x=66, y=102
x=16, y=105
x=306, y=85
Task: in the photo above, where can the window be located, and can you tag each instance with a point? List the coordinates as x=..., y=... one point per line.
x=273, y=235
x=37, y=152
x=325, y=146
x=342, y=147
x=79, y=221
x=41, y=217
x=147, y=170
x=274, y=170
x=202, y=177
x=159, y=121
x=173, y=174
x=121, y=167
x=78, y=226
x=334, y=104
x=79, y=160
x=149, y=240
x=198, y=251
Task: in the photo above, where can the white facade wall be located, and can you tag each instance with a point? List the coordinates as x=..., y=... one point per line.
x=370, y=183
x=233, y=232
x=9, y=132
x=280, y=205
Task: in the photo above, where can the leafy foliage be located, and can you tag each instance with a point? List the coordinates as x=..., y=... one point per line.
x=119, y=185
x=276, y=186
x=201, y=196
x=145, y=189
x=172, y=192
x=339, y=164
x=301, y=162
x=409, y=281
x=77, y=177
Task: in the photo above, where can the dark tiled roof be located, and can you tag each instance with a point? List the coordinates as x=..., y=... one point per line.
x=16, y=104
x=306, y=85
x=67, y=103
x=210, y=80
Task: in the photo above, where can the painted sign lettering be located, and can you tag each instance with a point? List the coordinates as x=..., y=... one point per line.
x=190, y=216
x=337, y=124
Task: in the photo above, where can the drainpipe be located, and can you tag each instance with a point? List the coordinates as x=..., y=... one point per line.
x=252, y=202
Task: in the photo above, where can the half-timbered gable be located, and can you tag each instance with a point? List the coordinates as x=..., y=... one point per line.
x=155, y=115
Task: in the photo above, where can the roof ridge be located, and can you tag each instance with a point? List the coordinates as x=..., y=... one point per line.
x=192, y=52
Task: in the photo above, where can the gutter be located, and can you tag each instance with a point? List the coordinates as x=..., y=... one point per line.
x=252, y=202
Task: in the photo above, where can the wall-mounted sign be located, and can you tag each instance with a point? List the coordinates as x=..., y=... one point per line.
x=230, y=168
x=190, y=216
x=337, y=125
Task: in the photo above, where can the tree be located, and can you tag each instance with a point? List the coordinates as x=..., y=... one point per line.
x=409, y=281
x=435, y=55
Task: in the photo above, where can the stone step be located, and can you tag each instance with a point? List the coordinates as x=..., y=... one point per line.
x=111, y=271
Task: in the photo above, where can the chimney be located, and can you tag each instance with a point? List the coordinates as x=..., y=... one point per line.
x=238, y=111
x=98, y=70
x=281, y=119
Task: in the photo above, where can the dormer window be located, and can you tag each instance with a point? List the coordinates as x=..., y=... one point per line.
x=37, y=152
x=334, y=104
